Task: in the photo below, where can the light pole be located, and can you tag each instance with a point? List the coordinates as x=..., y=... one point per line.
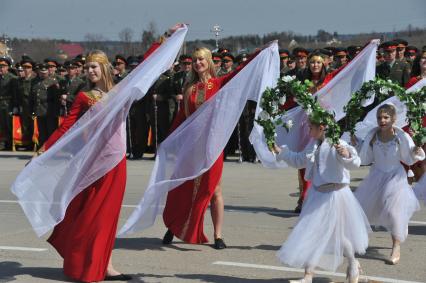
x=216, y=30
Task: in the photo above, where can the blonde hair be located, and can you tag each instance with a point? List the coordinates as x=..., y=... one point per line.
x=194, y=77
x=106, y=68
x=388, y=109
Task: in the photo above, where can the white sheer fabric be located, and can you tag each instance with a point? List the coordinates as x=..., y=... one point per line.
x=196, y=144
x=91, y=148
x=370, y=120
x=333, y=97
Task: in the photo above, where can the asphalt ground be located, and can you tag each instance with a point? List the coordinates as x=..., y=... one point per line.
x=259, y=216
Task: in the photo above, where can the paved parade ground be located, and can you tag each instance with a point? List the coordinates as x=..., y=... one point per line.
x=258, y=218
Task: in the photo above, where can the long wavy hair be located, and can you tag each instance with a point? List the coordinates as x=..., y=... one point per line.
x=106, y=68
x=194, y=77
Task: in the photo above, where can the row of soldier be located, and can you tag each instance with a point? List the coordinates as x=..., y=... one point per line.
x=40, y=95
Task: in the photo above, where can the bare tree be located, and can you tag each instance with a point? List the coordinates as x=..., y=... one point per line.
x=126, y=36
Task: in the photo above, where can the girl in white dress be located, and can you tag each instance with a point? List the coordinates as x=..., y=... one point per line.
x=385, y=195
x=332, y=224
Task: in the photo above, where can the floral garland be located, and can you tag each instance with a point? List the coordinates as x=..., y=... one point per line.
x=273, y=100
x=416, y=110
x=382, y=90
x=415, y=103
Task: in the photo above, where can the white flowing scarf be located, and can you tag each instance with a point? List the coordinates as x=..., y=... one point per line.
x=333, y=97
x=197, y=143
x=370, y=121
x=94, y=145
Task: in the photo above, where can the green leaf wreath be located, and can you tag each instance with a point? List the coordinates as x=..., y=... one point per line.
x=273, y=100
x=382, y=90
x=415, y=103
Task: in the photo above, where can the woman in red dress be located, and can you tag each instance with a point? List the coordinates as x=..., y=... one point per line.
x=418, y=72
x=86, y=235
x=186, y=205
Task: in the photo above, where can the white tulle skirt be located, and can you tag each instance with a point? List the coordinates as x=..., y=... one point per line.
x=330, y=226
x=420, y=188
x=388, y=200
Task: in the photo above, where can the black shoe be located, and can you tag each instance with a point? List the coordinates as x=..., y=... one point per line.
x=120, y=277
x=298, y=209
x=219, y=244
x=168, y=237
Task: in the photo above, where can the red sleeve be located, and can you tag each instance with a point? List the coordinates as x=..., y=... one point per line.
x=411, y=82
x=226, y=78
x=79, y=106
x=153, y=47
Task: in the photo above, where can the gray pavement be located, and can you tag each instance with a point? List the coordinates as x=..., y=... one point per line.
x=258, y=218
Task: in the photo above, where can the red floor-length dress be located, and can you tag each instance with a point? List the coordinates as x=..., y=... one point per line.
x=85, y=237
x=187, y=204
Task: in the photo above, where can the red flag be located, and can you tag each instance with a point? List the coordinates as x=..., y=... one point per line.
x=35, y=132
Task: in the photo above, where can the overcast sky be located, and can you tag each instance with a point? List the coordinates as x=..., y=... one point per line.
x=73, y=19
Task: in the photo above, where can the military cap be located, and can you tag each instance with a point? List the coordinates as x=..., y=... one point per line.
x=42, y=67
x=291, y=58
x=411, y=49
x=18, y=67
x=340, y=52
x=284, y=53
x=121, y=58
x=324, y=52
x=26, y=60
x=300, y=52
x=140, y=58
x=61, y=68
x=401, y=42
x=216, y=56
x=241, y=57
x=331, y=48
x=185, y=58
x=352, y=49
x=132, y=61
x=389, y=45
x=228, y=57
x=6, y=61
x=51, y=60
x=223, y=50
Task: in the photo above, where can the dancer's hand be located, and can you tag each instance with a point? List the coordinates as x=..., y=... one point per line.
x=417, y=150
x=175, y=28
x=342, y=151
x=275, y=149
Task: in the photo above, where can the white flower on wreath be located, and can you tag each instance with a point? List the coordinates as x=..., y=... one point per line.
x=287, y=79
x=289, y=124
x=385, y=90
x=308, y=110
x=264, y=116
x=283, y=100
x=424, y=106
x=274, y=107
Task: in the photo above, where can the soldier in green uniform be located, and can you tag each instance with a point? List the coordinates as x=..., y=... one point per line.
x=340, y=57
x=161, y=110
x=353, y=50
x=120, y=64
x=396, y=70
x=179, y=78
x=45, y=95
x=217, y=61
x=400, y=49
x=23, y=99
x=227, y=64
x=7, y=89
x=301, y=57
x=284, y=55
x=70, y=86
x=411, y=53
